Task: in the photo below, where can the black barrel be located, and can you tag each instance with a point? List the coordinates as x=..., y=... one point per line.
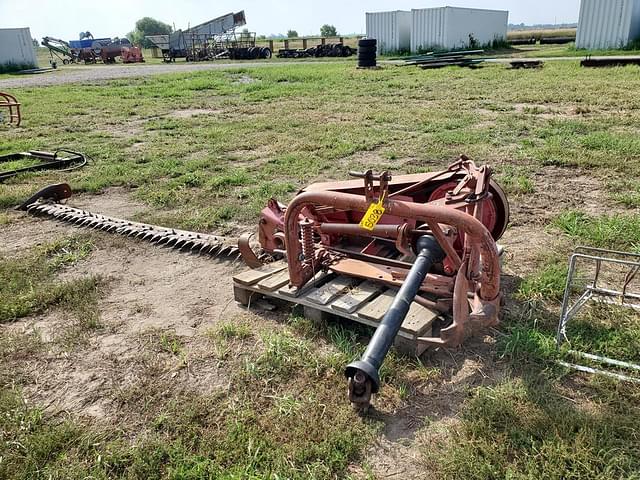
x=367, y=48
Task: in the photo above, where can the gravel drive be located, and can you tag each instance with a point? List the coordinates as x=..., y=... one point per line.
x=98, y=73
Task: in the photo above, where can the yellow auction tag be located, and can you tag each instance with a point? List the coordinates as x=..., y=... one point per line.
x=373, y=215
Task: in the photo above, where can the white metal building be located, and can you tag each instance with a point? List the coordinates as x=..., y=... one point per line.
x=608, y=23
x=391, y=29
x=16, y=47
x=455, y=27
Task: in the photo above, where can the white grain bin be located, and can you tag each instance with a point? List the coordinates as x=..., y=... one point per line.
x=16, y=48
x=391, y=29
x=451, y=28
x=608, y=23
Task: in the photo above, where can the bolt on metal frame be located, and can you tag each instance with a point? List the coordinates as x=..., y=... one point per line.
x=593, y=291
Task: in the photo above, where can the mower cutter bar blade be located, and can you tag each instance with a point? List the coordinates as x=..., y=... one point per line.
x=181, y=240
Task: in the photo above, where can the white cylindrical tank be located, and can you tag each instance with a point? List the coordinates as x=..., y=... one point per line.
x=16, y=48
x=608, y=23
x=391, y=29
x=451, y=28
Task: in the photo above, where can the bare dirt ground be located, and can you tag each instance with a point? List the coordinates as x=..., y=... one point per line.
x=148, y=290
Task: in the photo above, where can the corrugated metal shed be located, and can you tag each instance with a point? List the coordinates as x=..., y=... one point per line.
x=453, y=27
x=16, y=46
x=608, y=23
x=391, y=29
x=428, y=29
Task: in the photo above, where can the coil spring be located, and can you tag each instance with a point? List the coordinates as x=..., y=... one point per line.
x=306, y=232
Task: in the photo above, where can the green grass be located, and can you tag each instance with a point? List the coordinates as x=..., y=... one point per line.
x=215, y=170
x=529, y=429
x=28, y=283
x=516, y=180
x=625, y=192
x=252, y=429
x=607, y=330
x=616, y=232
x=192, y=439
x=282, y=412
x=233, y=330
x=548, y=283
x=540, y=421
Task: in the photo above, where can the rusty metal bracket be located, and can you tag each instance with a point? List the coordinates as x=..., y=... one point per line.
x=369, y=177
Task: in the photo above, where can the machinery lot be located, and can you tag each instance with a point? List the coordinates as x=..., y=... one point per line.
x=122, y=344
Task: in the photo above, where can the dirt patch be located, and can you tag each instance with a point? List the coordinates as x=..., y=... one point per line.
x=245, y=79
x=113, y=201
x=194, y=112
x=251, y=157
x=25, y=231
x=557, y=189
x=147, y=289
x=125, y=130
x=435, y=403
x=550, y=110
x=137, y=146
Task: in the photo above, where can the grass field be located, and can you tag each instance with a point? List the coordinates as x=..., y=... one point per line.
x=204, y=151
x=542, y=33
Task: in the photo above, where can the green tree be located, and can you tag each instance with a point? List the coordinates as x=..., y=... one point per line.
x=292, y=34
x=148, y=26
x=328, y=31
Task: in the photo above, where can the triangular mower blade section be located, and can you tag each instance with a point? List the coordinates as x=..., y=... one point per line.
x=185, y=241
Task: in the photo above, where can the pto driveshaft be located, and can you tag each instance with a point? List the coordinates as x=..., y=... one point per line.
x=363, y=375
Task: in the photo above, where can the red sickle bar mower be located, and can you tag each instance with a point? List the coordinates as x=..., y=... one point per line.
x=432, y=236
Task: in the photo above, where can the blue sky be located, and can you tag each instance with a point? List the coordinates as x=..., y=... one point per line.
x=111, y=18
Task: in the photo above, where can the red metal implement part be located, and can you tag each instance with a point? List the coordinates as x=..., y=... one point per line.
x=10, y=103
x=461, y=207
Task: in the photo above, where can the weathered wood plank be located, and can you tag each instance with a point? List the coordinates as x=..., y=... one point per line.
x=407, y=347
x=316, y=315
x=251, y=277
x=318, y=280
x=376, y=309
x=355, y=297
x=274, y=282
x=330, y=290
x=419, y=319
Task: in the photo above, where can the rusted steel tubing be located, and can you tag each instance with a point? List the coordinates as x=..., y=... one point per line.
x=379, y=231
x=477, y=233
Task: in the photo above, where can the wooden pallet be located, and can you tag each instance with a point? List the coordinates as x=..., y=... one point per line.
x=330, y=295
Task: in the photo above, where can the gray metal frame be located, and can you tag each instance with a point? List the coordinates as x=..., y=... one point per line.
x=593, y=292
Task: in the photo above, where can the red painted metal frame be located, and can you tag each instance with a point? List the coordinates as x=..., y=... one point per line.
x=477, y=235
x=461, y=207
x=9, y=102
